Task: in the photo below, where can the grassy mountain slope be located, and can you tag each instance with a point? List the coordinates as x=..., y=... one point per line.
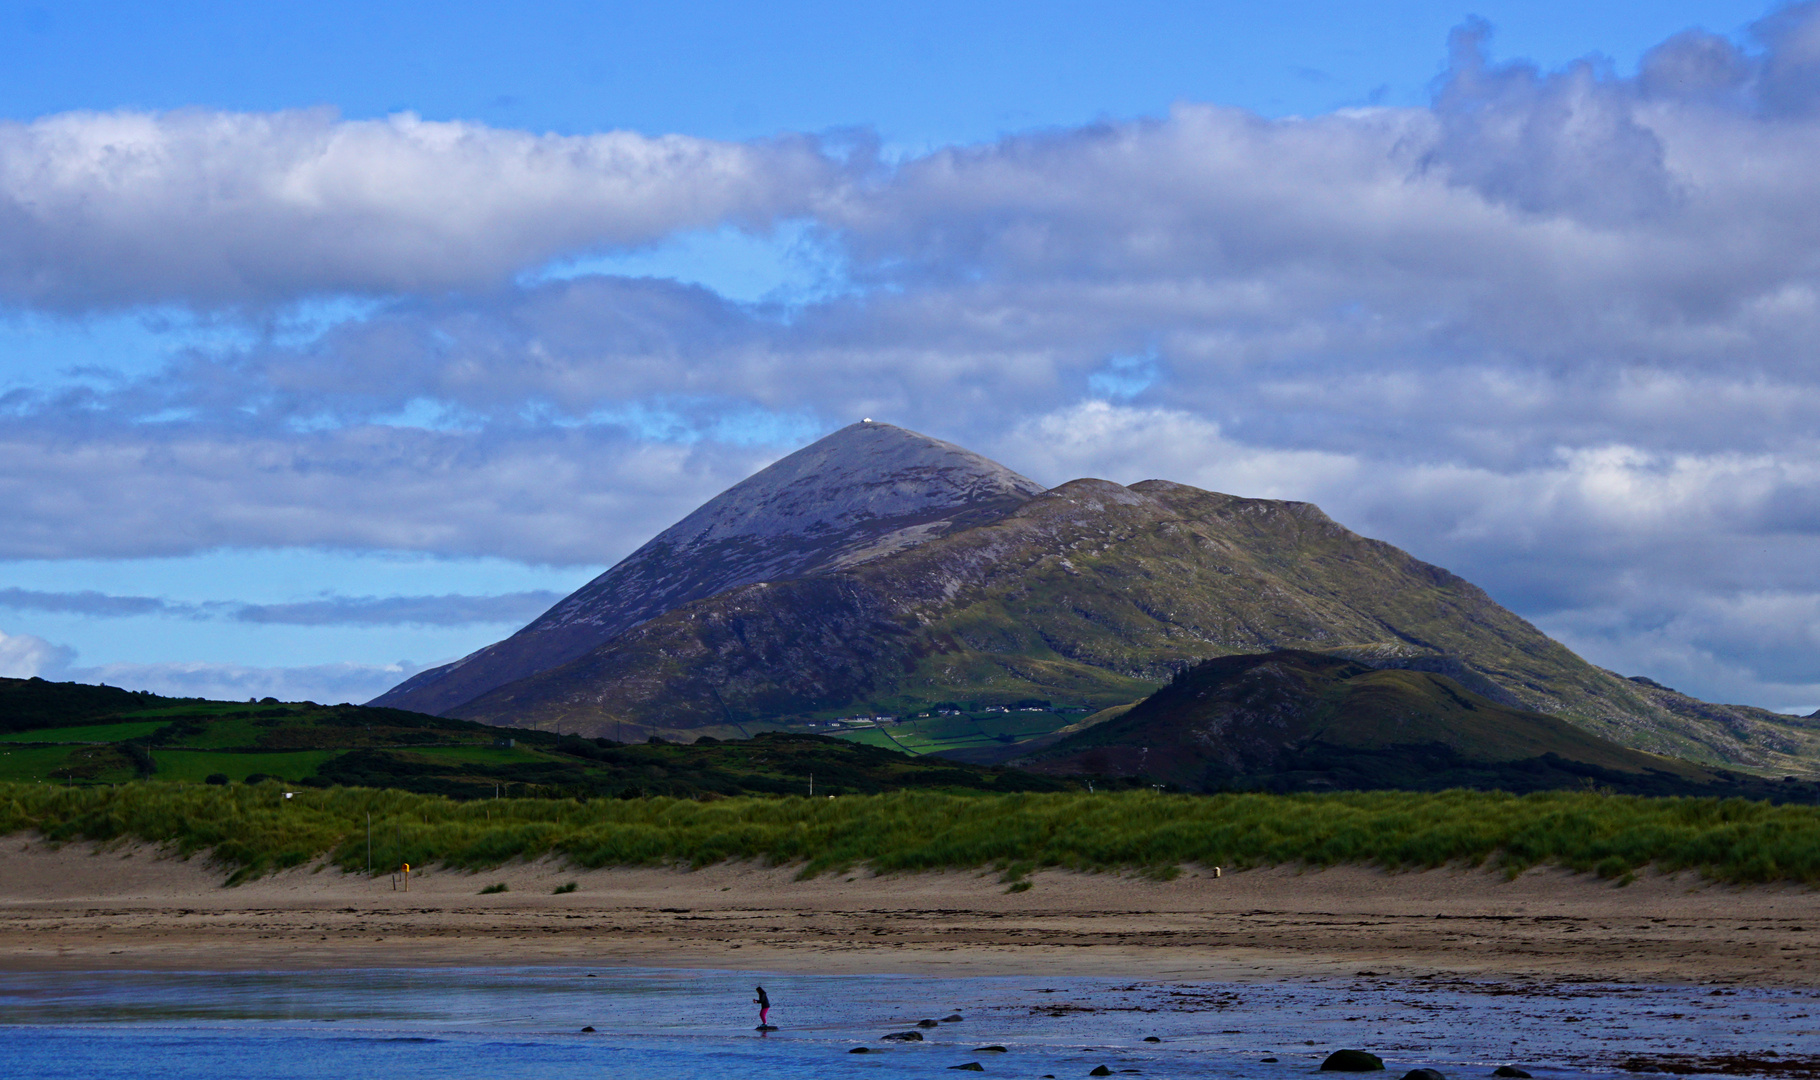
x=1093, y=594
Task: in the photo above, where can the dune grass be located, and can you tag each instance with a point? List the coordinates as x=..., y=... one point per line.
x=252, y=829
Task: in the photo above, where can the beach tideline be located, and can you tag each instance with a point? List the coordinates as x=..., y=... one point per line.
x=86, y=906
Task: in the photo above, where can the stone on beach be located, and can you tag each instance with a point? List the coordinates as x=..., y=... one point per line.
x=1352, y=1061
x=905, y=1036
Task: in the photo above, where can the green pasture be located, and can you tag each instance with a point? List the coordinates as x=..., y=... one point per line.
x=869, y=737
x=252, y=828
x=197, y=765
x=935, y=733
x=223, y=733
x=30, y=764
x=92, y=733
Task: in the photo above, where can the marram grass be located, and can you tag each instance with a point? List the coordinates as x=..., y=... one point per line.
x=250, y=830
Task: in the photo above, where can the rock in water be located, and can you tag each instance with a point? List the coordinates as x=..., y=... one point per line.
x=866, y=491
x=926, y=1023
x=1423, y=1074
x=1352, y=1061
x=971, y=1066
x=952, y=1019
x=990, y=1050
x=1510, y=1071
x=905, y=1036
x=1100, y=1070
x=859, y=1050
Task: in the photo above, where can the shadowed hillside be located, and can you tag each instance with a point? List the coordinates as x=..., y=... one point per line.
x=1292, y=720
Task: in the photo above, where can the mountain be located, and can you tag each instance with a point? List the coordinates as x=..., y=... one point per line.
x=1292, y=719
x=1088, y=595
x=865, y=492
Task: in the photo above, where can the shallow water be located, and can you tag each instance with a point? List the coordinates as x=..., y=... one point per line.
x=453, y=1024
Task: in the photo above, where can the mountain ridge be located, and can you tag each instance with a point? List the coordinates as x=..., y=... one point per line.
x=1091, y=593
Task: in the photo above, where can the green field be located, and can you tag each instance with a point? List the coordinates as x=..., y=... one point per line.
x=34, y=764
x=968, y=731
x=123, y=735
x=92, y=733
x=252, y=828
x=193, y=766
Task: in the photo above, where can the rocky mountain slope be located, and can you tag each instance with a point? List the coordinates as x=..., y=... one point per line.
x=1291, y=719
x=862, y=493
x=1091, y=594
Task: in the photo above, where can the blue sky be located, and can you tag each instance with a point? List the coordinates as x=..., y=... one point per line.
x=918, y=74
x=335, y=341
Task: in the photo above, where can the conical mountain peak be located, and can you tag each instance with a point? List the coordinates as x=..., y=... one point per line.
x=863, y=492
x=864, y=473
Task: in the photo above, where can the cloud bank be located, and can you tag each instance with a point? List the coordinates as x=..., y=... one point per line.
x=1555, y=331
x=26, y=656
x=446, y=610
x=102, y=210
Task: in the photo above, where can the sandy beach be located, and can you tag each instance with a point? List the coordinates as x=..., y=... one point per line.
x=83, y=907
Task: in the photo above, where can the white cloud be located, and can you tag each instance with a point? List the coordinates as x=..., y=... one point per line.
x=328, y=684
x=552, y=496
x=24, y=656
x=211, y=208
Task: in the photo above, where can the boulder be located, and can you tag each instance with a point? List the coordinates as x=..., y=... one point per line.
x=1151, y=1038
x=587, y=1029
x=905, y=1036
x=859, y=1050
x=1423, y=1074
x=990, y=1050
x=953, y=1018
x=1352, y=1061
x=927, y=1023
x=1100, y=1070
x=971, y=1066
x=1510, y=1071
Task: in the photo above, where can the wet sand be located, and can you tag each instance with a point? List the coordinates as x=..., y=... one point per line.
x=128, y=907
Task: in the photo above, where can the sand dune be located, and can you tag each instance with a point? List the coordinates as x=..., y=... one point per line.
x=129, y=907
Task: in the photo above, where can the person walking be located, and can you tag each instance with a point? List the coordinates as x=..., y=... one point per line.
x=763, y=1001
